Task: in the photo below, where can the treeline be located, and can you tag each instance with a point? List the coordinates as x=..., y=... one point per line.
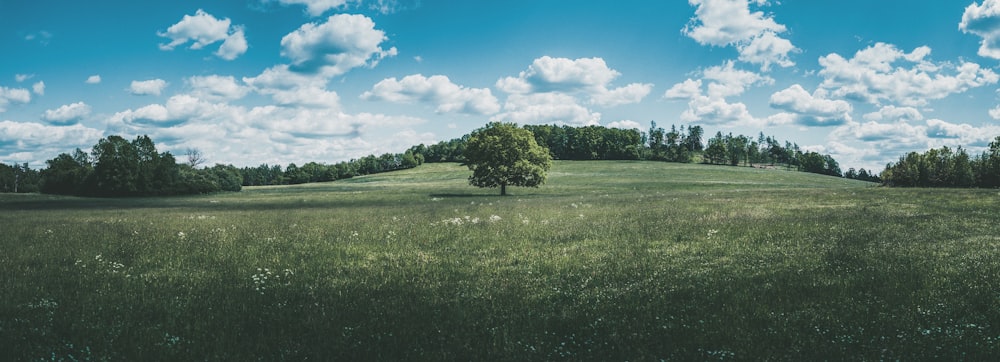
x=18, y=178
x=678, y=144
x=740, y=149
x=944, y=167
x=117, y=167
x=318, y=172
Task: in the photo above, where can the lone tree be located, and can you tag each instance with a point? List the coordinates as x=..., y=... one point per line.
x=502, y=154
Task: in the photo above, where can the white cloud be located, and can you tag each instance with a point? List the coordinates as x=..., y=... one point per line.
x=147, y=87
x=203, y=29
x=36, y=142
x=995, y=113
x=984, y=21
x=316, y=7
x=39, y=88
x=687, y=89
x=279, y=134
x=438, y=90
x=714, y=110
x=589, y=76
x=336, y=46
x=629, y=94
x=23, y=77
x=893, y=113
x=870, y=76
x=728, y=81
x=216, y=87
x=625, y=124
x=234, y=45
x=294, y=89
x=67, y=114
x=8, y=95
x=94, y=79
x=767, y=49
x=178, y=109
x=546, y=108
x=731, y=23
x=811, y=109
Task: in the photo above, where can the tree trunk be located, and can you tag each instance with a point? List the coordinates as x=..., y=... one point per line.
x=503, y=189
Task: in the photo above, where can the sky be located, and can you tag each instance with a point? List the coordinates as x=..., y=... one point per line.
x=249, y=82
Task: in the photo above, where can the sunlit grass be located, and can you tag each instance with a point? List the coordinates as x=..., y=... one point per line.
x=609, y=260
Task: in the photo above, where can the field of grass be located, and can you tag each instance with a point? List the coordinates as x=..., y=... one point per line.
x=607, y=261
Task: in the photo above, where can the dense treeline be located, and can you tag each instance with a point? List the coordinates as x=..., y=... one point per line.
x=117, y=167
x=945, y=167
x=318, y=172
x=863, y=175
x=736, y=150
x=18, y=178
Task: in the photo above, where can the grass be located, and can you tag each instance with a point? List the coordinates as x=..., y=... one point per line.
x=608, y=261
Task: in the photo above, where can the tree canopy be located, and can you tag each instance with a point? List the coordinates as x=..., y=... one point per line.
x=502, y=154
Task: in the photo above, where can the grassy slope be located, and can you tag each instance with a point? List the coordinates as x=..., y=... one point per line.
x=633, y=260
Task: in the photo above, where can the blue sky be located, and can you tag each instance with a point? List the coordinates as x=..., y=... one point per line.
x=279, y=81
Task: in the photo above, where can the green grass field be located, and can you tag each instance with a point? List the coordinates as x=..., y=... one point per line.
x=607, y=261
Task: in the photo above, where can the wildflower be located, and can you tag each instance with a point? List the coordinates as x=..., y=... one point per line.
x=712, y=232
x=181, y=235
x=494, y=218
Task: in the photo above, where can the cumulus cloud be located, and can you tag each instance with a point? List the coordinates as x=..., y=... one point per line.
x=202, y=29
x=36, y=142
x=339, y=44
x=234, y=45
x=718, y=111
x=727, y=81
x=280, y=134
x=147, y=87
x=811, y=109
x=893, y=114
x=67, y=114
x=995, y=113
x=629, y=94
x=94, y=79
x=9, y=95
x=38, y=88
x=984, y=21
x=23, y=77
x=687, y=89
x=625, y=124
x=546, y=108
x=316, y=7
x=872, y=76
x=710, y=105
x=216, y=87
x=589, y=76
x=731, y=23
x=437, y=90
x=294, y=89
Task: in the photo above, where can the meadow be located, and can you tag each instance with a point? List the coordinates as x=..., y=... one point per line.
x=607, y=261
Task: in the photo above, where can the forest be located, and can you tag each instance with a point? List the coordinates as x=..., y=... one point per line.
x=944, y=167
x=118, y=167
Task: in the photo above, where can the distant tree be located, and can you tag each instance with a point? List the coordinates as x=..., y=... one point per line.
x=502, y=154
x=116, y=168
x=194, y=157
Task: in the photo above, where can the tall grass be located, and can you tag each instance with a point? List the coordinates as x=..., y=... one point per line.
x=633, y=260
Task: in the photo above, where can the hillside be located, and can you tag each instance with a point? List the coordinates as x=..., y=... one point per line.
x=607, y=261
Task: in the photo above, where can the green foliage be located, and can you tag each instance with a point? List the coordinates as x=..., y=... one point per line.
x=117, y=168
x=945, y=168
x=18, y=178
x=638, y=261
x=502, y=154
